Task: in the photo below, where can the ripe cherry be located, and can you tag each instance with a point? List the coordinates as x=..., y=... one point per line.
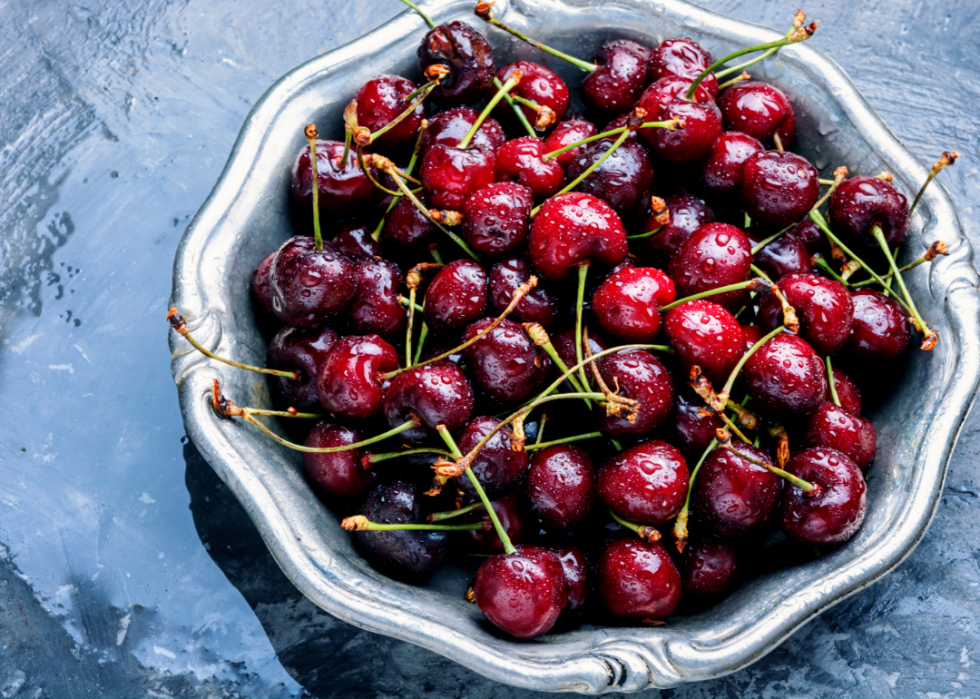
x=626, y=304
x=835, y=513
x=732, y=495
x=407, y=229
x=778, y=188
x=835, y=428
x=637, y=581
x=541, y=305
x=721, y=171
x=309, y=286
x=435, y=394
x=716, y=254
x=561, y=487
x=785, y=255
x=709, y=569
x=664, y=100
x=457, y=296
x=347, y=380
x=338, y=474
x=566, y=133
x=497, y=218
x=265, y=315
x=686, y=428
x=505, y=365
x=687, y=214
x=642, y=377
x=812, y=237
x=514, y=516
x=539, y=85
x=375, y=309
x=379, y=102
x=619, y=78
x=785, y=377
x=355, y=241
x=624, y=180
x=497, y=466
x=706, y=335
x=823, y=306
x=861, y=202
x=449, y=128
x=645, y=484
x=451, y=175
x=302, y=352
x=880, y=330
x=578, y=577
x=683, y=58
x=467, y=54
x=760, y=110
x=521, y=160
x=848, y=392
x=574, y=229
x=345, y=190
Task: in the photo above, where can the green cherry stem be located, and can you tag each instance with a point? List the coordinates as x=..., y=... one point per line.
x=423, y=333
x=803, y=485
x=588, y=171
x=426, y=90
x=521, y=117
x=763, y=243
x=483, y=12
x=420, y=13
x=563, y=440
x=751, y=284
x=541, y=423
x=412, y=306
x=670, y=125
x=820, y=262
x=376, y=235
x=830, y=381
x=540, y=337
x=648, y=234
x=440, y=516
x=947, y=159
x=583, y=272
x=930, y=337
x=680, y=524
x=648, y=534
x=360, y=523
x=378, y=458
x=935, y=250
x=311, y=134
x=245, y=415
x=512, y=82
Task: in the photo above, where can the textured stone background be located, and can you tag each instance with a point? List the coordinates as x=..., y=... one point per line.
x=126, y=568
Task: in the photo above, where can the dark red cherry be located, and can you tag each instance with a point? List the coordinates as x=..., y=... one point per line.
x=753, y=333
x=457, y=296
x=539, y=85
x=497, y=466
x=760, y=110
x=375, y=309
x=567, y=133
x=823, y=306
x=344, y=191
x=732, y=495
x=637, y=581
x=683, y=58
x=687, y=429
x=347, y=379
x=716, y=254
x=436, y=394
x=785, y=377
x=709, y=569
x=778, y=188
x=687, y=214
x=541, y=305
x=338, y=474
x=835, y=428
x=406, y=228
x=617, y=82
x=785, y=255
x=848, y=392
x=520, y=160
x=355, y=241
x=561, y=487
x=624, y=180
x=467, y=54
x=522, y=593
x=572, y=229
x=880, y=330
x=505, y=365
x=575, y=563
x=811, y=236
x=665, y=100
x=514, y=516
x=705, y=334
x=379, y=102
x=309, y=286
x=645, y=484
x=835, y=513
x=564, y=343
x=642, y=377
x=721, y=171
x=626, y=304
x=450, y=175
x=402, y=554
x=861, y=202
x=265, y=315
x=496, y=219
x=449, y=128
x=303, y=352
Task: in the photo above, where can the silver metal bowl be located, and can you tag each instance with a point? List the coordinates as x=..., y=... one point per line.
x=247, y=215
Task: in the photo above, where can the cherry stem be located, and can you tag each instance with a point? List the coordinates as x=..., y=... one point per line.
x=583, y=272
x=425, y=90
x=798, y=20
x=376, y=235
x=541, y=339
x=420, y=13
x=670, y=125
x=434, y=251
x=288, y=412
x=936, y=249
x=348, y=135
x=680, y=524
x=563, y=440
x=423, y=333
x=930, y=339
x=753, y=284
x=947, y=159
x=737, y=79
x=830, y=380
x=825, y=266
x=439, y=516
x=521, y=117
x=588, y=171
x=246, y=415
x=483, y=12
x=733, y=427
x=805, y=486
x=377, y=458
x=727, y=389
x=648, y=234
x=360, y=523
x=747, y=418
x=512, y=82
x=541, y=423
x=408, y=303
x=311, y=134
x=411, y=322
x=763, y=243
x=648, y=534
x=179, y=325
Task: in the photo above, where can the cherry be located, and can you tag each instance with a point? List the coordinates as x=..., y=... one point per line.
x=690, y=431
x=835, y=428
x=497, y=466
x=355, y=240
x=706, y=335
x=785, y=377
x=345, y=190
x=624, y=180
x=308, y=285
x=451, y=175
x=401, y=554
x=379, y=102
x=812, y=237
x=522, y=593
x=859, y=203
x=619, y=78
x=785, y=255
x=574, y=229
x=665, y=100
x=848, y=392
x=375, y=309
x=645, y=484
x=505, y=365
x=449, y=128
x=636, y=580
x=626, y=304
x=835, y=513
x=709, y=569
x=436, y=394
x=265, y=314
x=496, y=219
x=465, y=51
x=347, y=382
x=823, y=306
x=683, y=58
x=564, y=344
x=687, y=214
x=642, y=377
x=716, y=254
x=721, y=170
x=521, y=160
x=561, y=487
x=302, y=352
x=759, y=109
x=778, y=188
x=513, y=515
x=338, y=474
x=567, y=133
x=575, y=563
x=753, y=333
x=539, y=85
x=457, y=296
x=541, y=305
x=880, y=330
x=406, y=227
x=732, y=495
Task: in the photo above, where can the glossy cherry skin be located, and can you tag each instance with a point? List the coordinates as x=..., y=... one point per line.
x=835, y=428
x=355, y=241
x=449, y=128
x=785, y=377
x=347, y=380
x=709, y=569
x=785, y=255
x=753, y=334
x=522, y=593
x=514, y=516
x=436, y=394
x=564, y=343
x=624, y=180
x=716, y=255
x=645, y=484
x=375, y=309
x=379, y=102
x=406, y=228
x=497, y=219
x=732, y=495
x=823, y=307
x=626, y=304
x=637, y=581
x=339, y=474
x=617, y=82
x=760, y=110
x=303, y=352
x=778, y=187
x=683, y=58
x=497, y=466
x=402, y=554
x=505, y=365
x=665, y=99
x=520, y=160
x=880, y=330
x=578, y=577
x=706, y=335
x=860, y=202
x=574, y=229
x=567, y=133
x=344, y=191
x=539, y=85
x=265, y=314
x=309, y=286
x=687, y=214
x=450, y=175
x=721, y=171
x=642, y=377
x=687, y=429
x=812, y=237
x=457, y=296
x=848, y=392
x=836, y=512
x=541, y=305
x=561, y=487
x=467, y=54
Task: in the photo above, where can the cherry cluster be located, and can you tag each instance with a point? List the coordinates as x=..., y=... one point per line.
x=666, y=297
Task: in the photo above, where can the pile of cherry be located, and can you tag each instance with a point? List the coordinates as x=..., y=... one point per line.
x=544, y=353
